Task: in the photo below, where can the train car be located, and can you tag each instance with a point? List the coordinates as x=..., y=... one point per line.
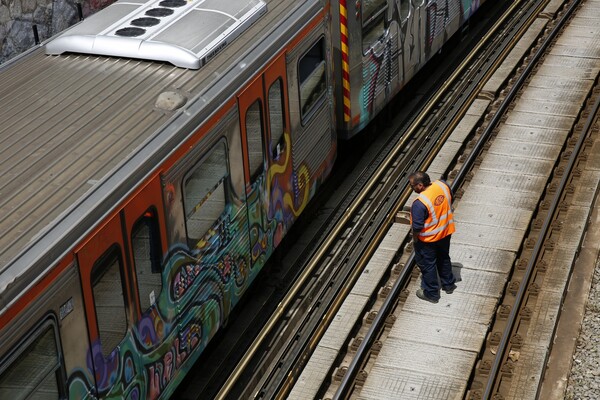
x=154, y=156
x=383, y=44
x=148, y=171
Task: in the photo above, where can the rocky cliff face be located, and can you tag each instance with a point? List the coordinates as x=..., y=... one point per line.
x=17, y=18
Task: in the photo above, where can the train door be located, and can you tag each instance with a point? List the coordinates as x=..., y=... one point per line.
x=263, y=121
x=121, y=279
x=146, y=235
x=104, y=280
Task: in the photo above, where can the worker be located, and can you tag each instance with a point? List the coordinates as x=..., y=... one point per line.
x=432, y=226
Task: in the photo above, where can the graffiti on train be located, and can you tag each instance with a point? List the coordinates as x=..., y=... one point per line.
x=395, y=50
x=200, y=287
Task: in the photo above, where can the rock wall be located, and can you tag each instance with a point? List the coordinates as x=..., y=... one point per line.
x=17, y=18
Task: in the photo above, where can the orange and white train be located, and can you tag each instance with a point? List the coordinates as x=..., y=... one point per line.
x=155, y=154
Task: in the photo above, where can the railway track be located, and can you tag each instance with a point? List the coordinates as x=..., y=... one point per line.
x=494, y=375
x=301, y=318
x=276, y=358
x=539, y=250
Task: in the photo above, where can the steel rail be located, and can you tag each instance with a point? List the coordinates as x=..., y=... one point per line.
x=388, y=304
x=519, y=298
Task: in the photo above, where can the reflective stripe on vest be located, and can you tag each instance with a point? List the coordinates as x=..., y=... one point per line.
x=440, y=222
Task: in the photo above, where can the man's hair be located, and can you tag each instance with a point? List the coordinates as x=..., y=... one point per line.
x=420, y=177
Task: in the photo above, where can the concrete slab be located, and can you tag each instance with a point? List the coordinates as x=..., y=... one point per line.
x=459, y=305
x=525, y=148
x=481, y=258
x=564, y=83
x=514, y=57
x=492, y=215
x=575, y=51
x=587, y=186
x=580, y=38
x=533, y=32
x=589, y=19
x=464, y=128
x=583, y=31
x=473, y=281
x=593, y=154
x=558, y=270
x=316, y=369
x=443, y=159
x=539, y=120
x=411, y=331
x=527, y=372
x=478, y=107
x=553, y=94
x=516, y=183
x=394, y=237
x=497, y=81
x=436, y=170
x=489, y=236
x=426, y=358
x=556, y=107
x=517, y=165
x=584, y=17
x=373, y=273
x=532, y=135
x=574, y=71
x=545, y=314
x=396, y=384
x=483, y=195
x=555, y=60
x=479, y=282
x=553, y=6
x=572, y=229
x=343, y=322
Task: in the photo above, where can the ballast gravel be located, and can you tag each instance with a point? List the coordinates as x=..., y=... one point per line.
x=584, y=379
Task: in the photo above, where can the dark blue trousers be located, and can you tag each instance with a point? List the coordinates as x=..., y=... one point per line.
x=433, y=260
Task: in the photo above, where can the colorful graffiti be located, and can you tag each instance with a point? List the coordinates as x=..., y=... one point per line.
x=200, y=287
x=286, y=201
x=161, y=372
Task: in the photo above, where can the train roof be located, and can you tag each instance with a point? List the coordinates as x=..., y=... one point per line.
x=79, y=129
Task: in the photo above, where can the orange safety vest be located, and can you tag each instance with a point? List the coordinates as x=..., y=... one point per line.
x=440, y=221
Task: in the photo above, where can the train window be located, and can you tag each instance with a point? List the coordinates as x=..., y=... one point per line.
x=204, y=193
x=254, y=134
x=373, y=19
x=405, y=9
x=145, y=242
x=33, y=370
x=109, y=299
x=276, y=117
x=311, y=77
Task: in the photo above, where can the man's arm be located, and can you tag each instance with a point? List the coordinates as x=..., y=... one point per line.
x=415, y=235
x=419, y=214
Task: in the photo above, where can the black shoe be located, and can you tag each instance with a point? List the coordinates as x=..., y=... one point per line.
x=450, y=289
x=423, y=296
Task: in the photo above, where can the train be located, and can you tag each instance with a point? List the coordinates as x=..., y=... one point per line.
x=153, y=157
